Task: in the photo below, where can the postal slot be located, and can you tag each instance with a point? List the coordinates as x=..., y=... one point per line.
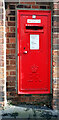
x=34, y=27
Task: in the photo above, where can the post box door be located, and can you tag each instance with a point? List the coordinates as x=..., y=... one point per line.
x=34, y=52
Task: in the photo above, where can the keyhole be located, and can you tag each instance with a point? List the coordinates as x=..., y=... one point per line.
x=24, y=48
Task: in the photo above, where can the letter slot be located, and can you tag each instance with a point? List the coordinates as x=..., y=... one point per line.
x=34, y=28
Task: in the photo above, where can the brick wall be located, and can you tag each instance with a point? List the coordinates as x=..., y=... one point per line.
x=12, y=96
x=2, y=76
x=56, y=55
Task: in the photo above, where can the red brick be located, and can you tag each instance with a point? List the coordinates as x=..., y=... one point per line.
x=13, y=51
x=48, y=7
x=7, y=62
x=11, y=78
x=10, y=51
x=8, y=94
x=35, y=6
x=12, y=29
x=7, y=73
x=12, y=40
x=11, y=83
x=54, y=64
x=7, y=29
x=10, y=56
x=7, y=40
x=11, y=23
x=12, y=67
x=13, y=73
x=30, y=3
x=13, y=62
x=7, y=51
x=10, y=34
x=11, y=45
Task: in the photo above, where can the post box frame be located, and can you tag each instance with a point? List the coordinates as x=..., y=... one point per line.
x=17, y=47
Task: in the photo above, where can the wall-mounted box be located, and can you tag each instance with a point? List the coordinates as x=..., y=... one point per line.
x=34, y=51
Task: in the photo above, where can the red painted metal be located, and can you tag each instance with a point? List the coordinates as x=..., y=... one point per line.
x=34, y=64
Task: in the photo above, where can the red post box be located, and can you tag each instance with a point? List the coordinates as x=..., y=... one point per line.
x=34, y=51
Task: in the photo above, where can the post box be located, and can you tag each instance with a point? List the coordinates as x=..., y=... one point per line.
x=34, y=51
